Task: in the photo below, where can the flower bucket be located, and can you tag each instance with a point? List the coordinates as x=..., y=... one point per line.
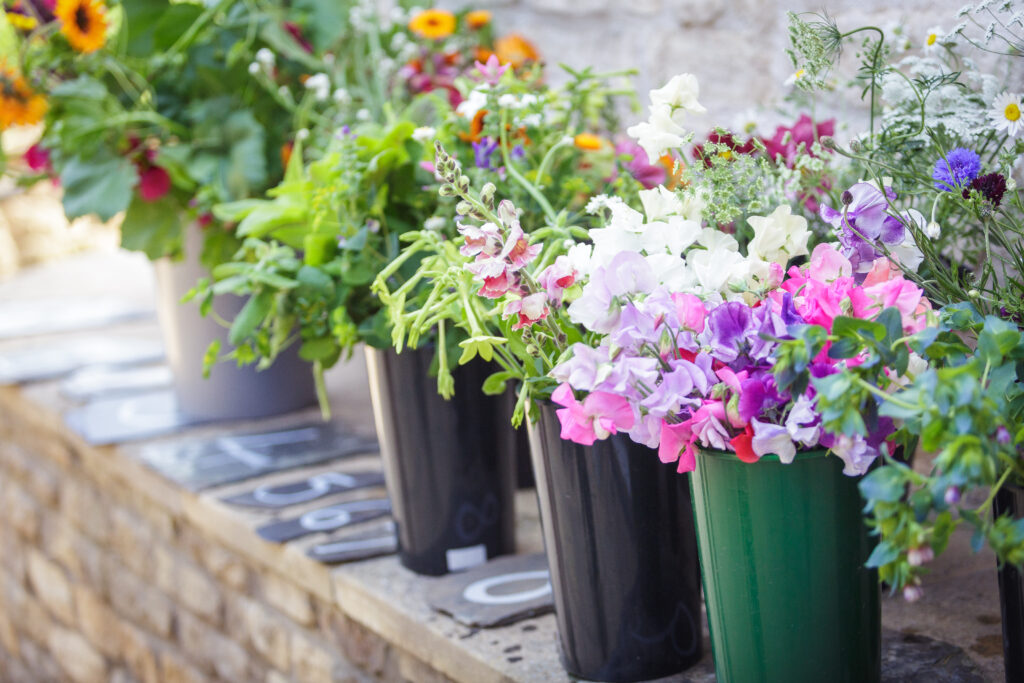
x=782, y=552
x=621, y=547
x=230, y=392
x=1010, y=499
x=449, y=465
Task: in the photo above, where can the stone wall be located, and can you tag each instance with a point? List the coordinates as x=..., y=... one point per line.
x=109, y=573
x=735, y=47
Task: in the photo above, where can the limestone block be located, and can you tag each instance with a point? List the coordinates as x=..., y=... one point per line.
x=197, y=592
x=131, y=541
x=225, y=565
x=79, y=660
x=33, y=620
x=51, y=586
x=174, y=669
x=138, y=652
x=268, y=634
x=361, y=646
x=40, y=663
x=97, y=621
x=289, y=598
x=82, y=504
x=311, y=663
x=138, y=600
x=21, y=510
x=8, y=636
x=209, y=649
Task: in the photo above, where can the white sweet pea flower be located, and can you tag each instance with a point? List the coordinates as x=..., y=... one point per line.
x=424, y=134
x=715, y=269
x=673, y=236
x=716, y=240
x=660, y=203
x=600, y=202
x=932, y=231
x=680, y=96
x=907, y=252
x=474, y=102
x=779, y=236
x=658, y=134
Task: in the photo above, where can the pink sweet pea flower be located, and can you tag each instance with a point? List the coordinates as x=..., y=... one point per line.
x=691, y=311
x=905, y=296
x=530, y=309
x=828, y=264
x=599, y=415
x=677, y=445
x=556, y=278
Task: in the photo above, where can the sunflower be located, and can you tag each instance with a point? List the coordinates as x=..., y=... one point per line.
x=433, y=24
x=19, y=104
x=515, y=50
x=83, y=23
x=1006, y=113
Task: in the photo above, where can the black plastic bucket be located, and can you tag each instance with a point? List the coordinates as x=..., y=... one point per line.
x=449, y=465
x=1010, y=500
x=622, y=550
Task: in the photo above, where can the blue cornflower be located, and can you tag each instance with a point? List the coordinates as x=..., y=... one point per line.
x=957, y=170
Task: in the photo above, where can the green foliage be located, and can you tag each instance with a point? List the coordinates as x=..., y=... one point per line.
x=963, y=402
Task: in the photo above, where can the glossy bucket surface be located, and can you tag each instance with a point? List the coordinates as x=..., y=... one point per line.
x=449, y=465
x=1010, y=500
x=230, y=392
x=621, y=547
x=782, y=550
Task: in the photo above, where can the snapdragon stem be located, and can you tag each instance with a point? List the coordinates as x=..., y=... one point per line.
x=884, y=396
x=985, y=507
x=518, y=177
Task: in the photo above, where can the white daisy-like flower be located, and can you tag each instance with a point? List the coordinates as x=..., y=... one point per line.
x=933, y=39
x=793, y=78
x=1006, y=113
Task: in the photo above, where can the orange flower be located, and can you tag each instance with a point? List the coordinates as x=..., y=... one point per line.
x=83, y=23
x=674, y=169
x=433, y=24
x=482, y=54
x=476, y=127
x=588, y=141
x=515, y=50
x=19, y=104
x=286, y=153
x=477, y=19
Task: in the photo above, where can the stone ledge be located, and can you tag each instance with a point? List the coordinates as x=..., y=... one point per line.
x=211, y=600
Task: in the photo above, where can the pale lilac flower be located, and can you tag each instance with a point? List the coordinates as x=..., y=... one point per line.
x=772, y=439
x=492, y=70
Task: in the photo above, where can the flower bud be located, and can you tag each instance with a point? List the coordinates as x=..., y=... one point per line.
x=532, y=350
x=447, y=191
x=912, y=593
x=1003, y=435
x=846, y=198
x=487, y=193
x=828, y=142
x=918, y=556
x=952, y=496
x=463, y=183
x=463, y=207
x=855, y=145
x=932, y=230
x=974, y=294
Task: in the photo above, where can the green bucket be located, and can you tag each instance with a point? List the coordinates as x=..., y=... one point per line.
x=782, y=553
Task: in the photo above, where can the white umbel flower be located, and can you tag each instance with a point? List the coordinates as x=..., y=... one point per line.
x=1006, y=113
x=320, y=85
x=424, y=134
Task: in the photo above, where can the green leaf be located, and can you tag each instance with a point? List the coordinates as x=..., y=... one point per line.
x=496, y=383
x=251, y=315
x=153, y=228
x=323, y=349
x=101, y=185
x=884, y=484
x=883, y=554
x=154, y=25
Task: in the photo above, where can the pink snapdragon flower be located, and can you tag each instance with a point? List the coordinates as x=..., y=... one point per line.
x=485, y=239
x=530, y=309
x=599, y=415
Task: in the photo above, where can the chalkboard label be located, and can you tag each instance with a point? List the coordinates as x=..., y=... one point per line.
x=214, y=461
x=306, y=490
x=56, y=359
x=326, y=519
x=499, y=592
x=358, y=546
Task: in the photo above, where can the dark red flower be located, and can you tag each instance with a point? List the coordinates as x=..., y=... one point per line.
x=38, y=159
x=296, y=33
x=992, y=186
x=714, y=137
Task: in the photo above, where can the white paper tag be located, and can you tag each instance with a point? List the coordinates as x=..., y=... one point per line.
x=465, y=558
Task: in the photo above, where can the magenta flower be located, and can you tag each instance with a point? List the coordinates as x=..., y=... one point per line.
x=677, y=446
x=647, y=174
x=498, y=286
x=599, y=415
x=154, y=183
x=38, y=158
x=492, y=70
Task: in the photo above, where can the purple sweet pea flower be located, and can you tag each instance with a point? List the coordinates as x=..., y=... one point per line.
x=726, y=330
x=956, y=170
x=772, y=439
x=675, y=390
x=482, y=152
x=864, y=222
